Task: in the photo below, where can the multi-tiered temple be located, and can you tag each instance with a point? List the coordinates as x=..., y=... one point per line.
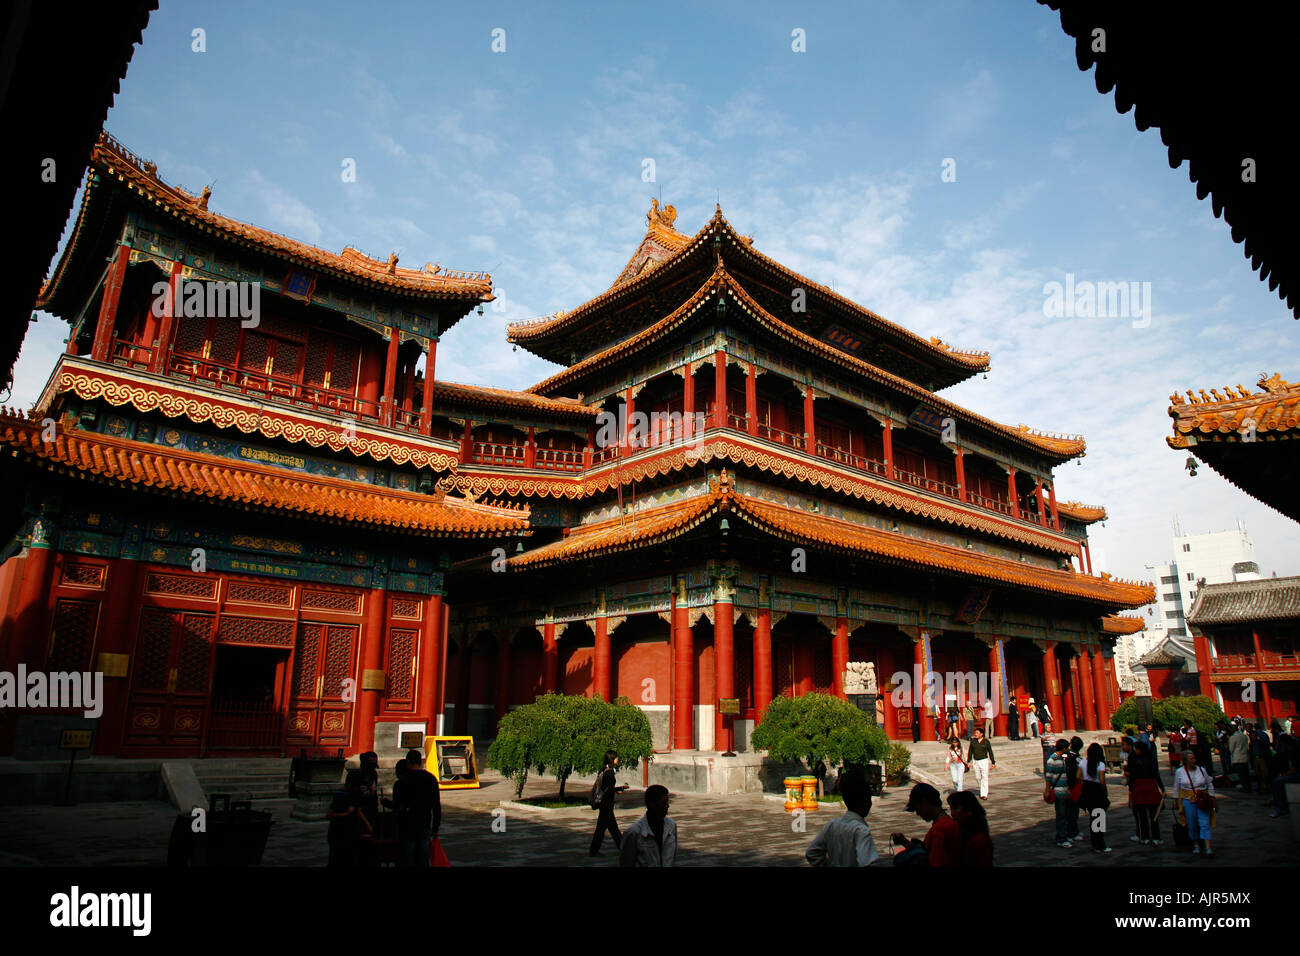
x=739, y=483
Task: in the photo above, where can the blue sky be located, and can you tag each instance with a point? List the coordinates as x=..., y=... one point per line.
x=528, y=163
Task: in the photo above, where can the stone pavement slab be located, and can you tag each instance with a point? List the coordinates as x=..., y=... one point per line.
x=736, y=830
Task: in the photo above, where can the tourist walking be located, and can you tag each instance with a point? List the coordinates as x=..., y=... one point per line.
x=602, y=798
x=652, y=840
x=990, y=711
x=973, y=825
x=1146, y=793
x=418, y=804
x=1238, y=757
x=1196, y=804
x=956, y=764
x=1094, y=797
x=980, y=758
x=846, y=840
x=1059, y=777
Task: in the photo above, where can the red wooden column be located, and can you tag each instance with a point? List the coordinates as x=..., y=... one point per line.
x=1099, y=685
x=503, y=675
x=724, y=670
x=887, y=439
x=719, y=389
x=884, y=678
x=809, y=424
x=390, y=380
x=751, y=400
x=1202, y=645
x=430, y=665
x=550, y=659
x=467, y=442
x=460, y=723
x=117, y=631
x=1070, y=689
x=762, y=663
x=998, y=689
x=1088, y=699
x=919, y=696
x=961, y=473
x=1056, y=515
x=688, y=401
x=440, y=718
x=600, y=670
x=628, y=408
x=372, y=659
x=31, y=629
x=840, y=657
x=683, y=678
x=426, y=411
x=167, y=325
x=103, y=341
x=1052, y=685
x=1042, y=505
x=408, y=389
x=1011, y=493
x=530, y=449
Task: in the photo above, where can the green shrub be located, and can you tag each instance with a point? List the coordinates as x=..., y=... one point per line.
x=568, y=735
x=897, y=759
x=819, y=729
x=1170, y=712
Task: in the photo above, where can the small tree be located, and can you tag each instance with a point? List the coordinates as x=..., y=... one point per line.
x=1200, y=711
x=567, y=735
x=820, y=729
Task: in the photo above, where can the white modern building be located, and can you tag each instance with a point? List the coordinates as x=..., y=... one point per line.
x=1219, y=557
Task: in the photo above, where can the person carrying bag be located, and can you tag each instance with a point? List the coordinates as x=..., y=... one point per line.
x=1195, y=805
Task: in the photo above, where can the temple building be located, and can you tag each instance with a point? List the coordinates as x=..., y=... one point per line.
x=775, y=489
x=250, y=504
x=1246, y=646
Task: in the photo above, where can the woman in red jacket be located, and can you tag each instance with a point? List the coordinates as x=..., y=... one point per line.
x=972, y=821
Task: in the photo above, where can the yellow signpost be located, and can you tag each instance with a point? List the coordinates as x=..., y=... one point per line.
x=451, y=761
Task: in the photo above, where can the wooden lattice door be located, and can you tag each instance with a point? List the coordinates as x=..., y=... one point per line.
x=169, y=684
x=320, y=716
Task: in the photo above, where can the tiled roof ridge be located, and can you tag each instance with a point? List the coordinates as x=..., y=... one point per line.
x=1123, y=624
x=142, y=175
x=671, y=520
x=1263, y=584
x=246, y=482
x=528, y=329
x=526, y=397
x=1275, y=409
x=1067, y=445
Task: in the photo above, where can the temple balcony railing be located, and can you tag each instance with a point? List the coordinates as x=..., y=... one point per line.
x=780, y=437
x=497, y=453
x=990, y=504
x=929, y=484
x=842, y=457
x=558, y=459
x=262, y=385
x=1280, y=659
x=1229, y=662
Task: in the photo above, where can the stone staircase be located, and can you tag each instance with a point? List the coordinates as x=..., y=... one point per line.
x=1017, y=759
x=260, y=778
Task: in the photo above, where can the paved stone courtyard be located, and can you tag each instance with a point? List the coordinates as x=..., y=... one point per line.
x=738, y=830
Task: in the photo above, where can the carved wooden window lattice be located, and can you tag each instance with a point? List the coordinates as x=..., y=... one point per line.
x=255, y=592
x=344, y=601
x=73, y=635
x=253, y=630
x=401, y=657
x=76, y=574
x=406, y=608
x=181, y=585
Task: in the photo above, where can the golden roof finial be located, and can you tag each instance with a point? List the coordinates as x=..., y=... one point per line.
x=392, y=264
x=203, y=200
x=661, y=217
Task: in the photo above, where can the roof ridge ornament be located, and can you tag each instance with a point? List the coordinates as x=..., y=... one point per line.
x=661, y=217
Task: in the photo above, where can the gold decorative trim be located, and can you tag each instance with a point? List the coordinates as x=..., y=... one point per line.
x=265, y=422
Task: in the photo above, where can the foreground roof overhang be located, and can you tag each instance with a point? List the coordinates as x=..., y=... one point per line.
x=213, y=479
x=656, y=525
x=1248, y=438
x=1222, y=108
x=1122, y=624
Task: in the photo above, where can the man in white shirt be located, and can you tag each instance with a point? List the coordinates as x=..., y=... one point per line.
x=846, y=840
x=652, y=840
x=990, y=711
